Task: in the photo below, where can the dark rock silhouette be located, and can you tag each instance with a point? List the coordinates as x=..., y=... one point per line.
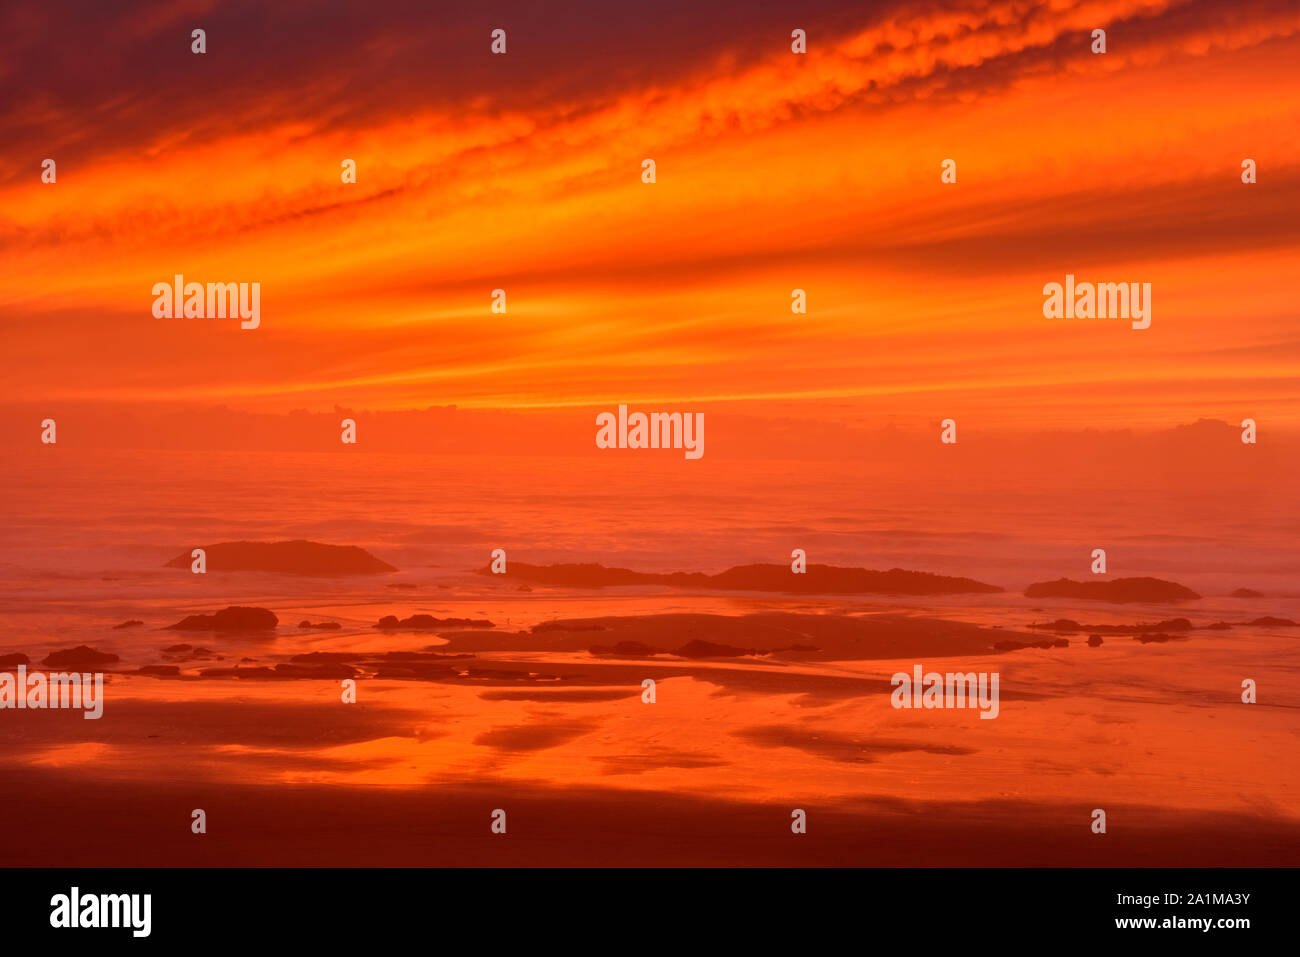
x=1018, y=645
x=1159, y=637
x=1246, y=593
x=426, y=622
x=12, y=661
x=1061, y=624
x=234, y=618
x=1218, y=626
x=1094, y=641
x=417, y=670
x=1113, y=590
x=819, y=579
x=79, y=658
x=298, y=557
x=1069, y=626
x=1268, y=621
x=132, y=623
x=834, y=637
x=160, y=671
x=323, y=670
x=320, y=626
x=370, y=658
x=283, y=672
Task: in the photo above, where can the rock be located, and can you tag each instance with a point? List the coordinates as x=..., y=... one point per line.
x=819, y=579
x=1113, y=590
x=428, y=622
x=290, y=558
x=1070, y=627
x=14, y=660
x=80, y=658
x=131, y=623
x=234, y=618
x=324, y=670
x=1094, y=641
x=1061, y=624
x=1268, y=621
x=1018, y=645
x=422, y=671
x=320, y=626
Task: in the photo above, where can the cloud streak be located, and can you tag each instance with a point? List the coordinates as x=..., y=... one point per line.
x=522, y=172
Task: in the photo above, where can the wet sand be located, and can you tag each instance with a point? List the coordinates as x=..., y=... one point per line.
x=709, y=774
x=139, y=825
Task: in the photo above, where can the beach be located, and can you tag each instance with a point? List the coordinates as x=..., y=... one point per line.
x=539, y=715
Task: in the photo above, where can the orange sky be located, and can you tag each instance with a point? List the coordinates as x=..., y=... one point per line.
x=775, y=171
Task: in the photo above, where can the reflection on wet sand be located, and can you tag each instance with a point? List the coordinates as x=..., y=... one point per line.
x=1123, y=725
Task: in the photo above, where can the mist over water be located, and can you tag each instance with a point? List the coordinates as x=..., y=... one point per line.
x=127, y=512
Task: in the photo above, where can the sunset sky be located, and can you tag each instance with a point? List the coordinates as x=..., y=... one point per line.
x=775, y=171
